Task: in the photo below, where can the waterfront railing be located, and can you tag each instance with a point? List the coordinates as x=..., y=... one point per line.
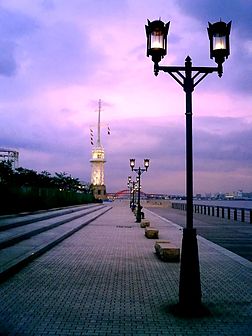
x=227, y=212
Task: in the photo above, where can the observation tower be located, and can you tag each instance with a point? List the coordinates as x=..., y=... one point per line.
x=97, y=163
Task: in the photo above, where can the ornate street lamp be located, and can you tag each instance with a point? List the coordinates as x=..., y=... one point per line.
x=157, y=32
x=146, y=163
x=139, y=172
x=189, y=77
x=219, y=42
x=132, y=163
x=134, y=183
x=130, y=190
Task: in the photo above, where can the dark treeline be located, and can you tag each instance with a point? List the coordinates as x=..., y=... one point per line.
x=24, y=189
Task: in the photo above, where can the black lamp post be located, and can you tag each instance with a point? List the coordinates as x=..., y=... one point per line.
x=188, y=77
x=130, y=190
x=139, y=171
x=133, y=195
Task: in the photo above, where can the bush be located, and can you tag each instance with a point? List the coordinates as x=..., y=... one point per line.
x=22, y=199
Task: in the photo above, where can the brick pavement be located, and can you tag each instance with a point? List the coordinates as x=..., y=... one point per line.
x=106, y=280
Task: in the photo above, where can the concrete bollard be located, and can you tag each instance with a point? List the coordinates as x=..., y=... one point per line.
x=144, y=223
x=151, y=233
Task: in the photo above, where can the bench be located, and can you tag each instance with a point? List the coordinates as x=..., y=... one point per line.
x=151, y=233
x=144, y=223
x=167, y=251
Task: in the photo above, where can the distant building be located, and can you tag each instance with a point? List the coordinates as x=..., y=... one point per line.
x=239, y=194
x=229, y=195
x=9, y=155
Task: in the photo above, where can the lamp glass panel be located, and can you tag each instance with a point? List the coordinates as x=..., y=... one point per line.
x=219, y=42
x=157, y=41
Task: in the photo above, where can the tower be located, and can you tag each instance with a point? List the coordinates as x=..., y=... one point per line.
x=97, y=163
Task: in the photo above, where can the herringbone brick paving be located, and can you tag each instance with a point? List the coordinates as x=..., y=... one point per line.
x=106, y=280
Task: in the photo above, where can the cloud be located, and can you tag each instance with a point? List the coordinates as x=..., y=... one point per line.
x=14, y=26
x=66, y=58
x=222, y=149
x=207, y=10
x=237, y=69
x=8, y=64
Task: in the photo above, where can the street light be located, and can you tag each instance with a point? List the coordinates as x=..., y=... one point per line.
x=133, y=189
x=134, y=183
x=156, y=39
x=130, y=190
x=219, y=42
x=139, y=171
x=189, y=77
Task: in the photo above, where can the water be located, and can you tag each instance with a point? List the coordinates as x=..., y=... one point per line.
x=232, y=204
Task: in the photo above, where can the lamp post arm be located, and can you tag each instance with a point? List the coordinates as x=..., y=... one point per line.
x=139, y=170
x=174, y=74
x=176, y=71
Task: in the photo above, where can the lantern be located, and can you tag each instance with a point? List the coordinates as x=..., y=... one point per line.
x=156, y=33
x=219, y=41
x=146, y=163
x=132, y=163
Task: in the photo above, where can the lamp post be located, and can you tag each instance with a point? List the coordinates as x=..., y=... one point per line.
x=133, y=195
x=188, y=77
x=130, y=189
x=139, y=172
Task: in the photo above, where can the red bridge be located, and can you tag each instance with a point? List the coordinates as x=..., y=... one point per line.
x=126, y=194
x=123, y=194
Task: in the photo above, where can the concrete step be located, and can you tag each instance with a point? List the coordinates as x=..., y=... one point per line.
x=15, y=257
x=11, y=221
x=29, y=229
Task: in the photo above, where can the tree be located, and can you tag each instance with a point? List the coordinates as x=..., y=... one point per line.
x=67, y=182
x=6, y=172
x=26, y=177
x=45, y=179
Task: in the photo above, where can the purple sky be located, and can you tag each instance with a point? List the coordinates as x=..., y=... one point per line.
x=59, y=57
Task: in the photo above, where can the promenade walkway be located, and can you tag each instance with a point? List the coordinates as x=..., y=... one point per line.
x=106, y=280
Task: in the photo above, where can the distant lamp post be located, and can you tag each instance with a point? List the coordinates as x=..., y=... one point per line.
x=133, y=195
x=130, y=190
x=139, y=172
x=188, y=77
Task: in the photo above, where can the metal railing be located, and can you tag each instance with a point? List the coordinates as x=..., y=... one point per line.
x=227, y=212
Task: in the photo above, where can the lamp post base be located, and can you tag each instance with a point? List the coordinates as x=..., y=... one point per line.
x=189, y=286
x=138, y=215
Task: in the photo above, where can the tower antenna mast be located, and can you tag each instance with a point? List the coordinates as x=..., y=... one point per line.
x=99, y=125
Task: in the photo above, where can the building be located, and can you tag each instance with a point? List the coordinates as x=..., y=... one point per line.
x=9, y=155
x=98, y=163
